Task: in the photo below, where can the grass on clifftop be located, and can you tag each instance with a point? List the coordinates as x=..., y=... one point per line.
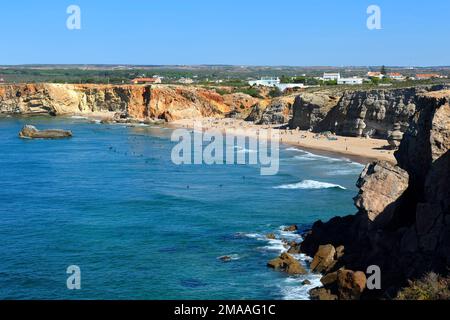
x=430, y=287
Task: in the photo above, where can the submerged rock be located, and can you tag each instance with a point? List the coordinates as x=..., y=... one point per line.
x=271, y=236
x=30, y=132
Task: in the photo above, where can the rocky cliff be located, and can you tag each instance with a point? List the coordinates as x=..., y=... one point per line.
x=403, y=219
x=357, y=113
x=138, y=102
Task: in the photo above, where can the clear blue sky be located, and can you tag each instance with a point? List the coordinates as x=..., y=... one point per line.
x=245, y=32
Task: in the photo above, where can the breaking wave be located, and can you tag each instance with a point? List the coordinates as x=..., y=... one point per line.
x=310, y=184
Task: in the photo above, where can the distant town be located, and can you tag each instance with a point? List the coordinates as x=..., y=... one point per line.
x=280, y=79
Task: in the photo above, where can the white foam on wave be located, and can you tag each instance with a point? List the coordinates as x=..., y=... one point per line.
x=310, y=185
x=294, y=149
x=244, y=150
x=78, y=117
x=229, y=257
x=308, y=156
x=295, y=289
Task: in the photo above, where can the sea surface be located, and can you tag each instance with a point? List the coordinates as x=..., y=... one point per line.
x=111, y=201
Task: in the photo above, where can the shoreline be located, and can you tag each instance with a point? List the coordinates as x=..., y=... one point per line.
x=361, y=150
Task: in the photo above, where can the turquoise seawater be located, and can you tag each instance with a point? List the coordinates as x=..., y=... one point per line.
x=110, y=201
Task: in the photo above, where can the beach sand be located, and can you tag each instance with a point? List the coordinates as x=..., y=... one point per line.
x=362, y=150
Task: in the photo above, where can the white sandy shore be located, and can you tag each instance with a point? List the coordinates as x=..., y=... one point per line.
x=362, y=150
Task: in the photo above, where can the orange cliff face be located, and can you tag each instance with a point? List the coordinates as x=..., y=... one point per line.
x=134, y=101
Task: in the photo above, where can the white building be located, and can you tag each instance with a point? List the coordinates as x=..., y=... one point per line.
x=266, y=82
x=396, y=76
x=284, y=86
x=350, y=81
x=186, y=81
x=327, y=76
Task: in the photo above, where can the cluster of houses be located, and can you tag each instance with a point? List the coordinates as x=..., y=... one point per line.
x=157, y=80
x=276, y=83
x=336, y=76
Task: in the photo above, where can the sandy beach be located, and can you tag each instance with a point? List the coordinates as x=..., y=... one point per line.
x=362, y=150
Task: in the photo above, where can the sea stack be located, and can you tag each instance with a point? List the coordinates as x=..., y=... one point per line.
x=30, y=132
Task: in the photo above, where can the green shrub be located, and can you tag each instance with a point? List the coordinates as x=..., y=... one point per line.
x=430, y=287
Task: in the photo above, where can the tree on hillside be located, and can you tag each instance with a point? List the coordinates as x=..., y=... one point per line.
x=383, y=70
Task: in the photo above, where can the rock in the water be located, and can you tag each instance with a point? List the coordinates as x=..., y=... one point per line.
x=324, y=259
x=306, y=282
x=295, y=248
x=350, y=284
x=291, y=228
x=287, y=263
x=30, y=132
x=271, y=236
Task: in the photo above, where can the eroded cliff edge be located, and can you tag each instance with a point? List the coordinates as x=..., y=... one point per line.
x=370, y=112
x=403, y=219
x=132, y=101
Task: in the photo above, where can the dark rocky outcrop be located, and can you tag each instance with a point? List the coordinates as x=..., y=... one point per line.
x=403, y=222
x=30, y=132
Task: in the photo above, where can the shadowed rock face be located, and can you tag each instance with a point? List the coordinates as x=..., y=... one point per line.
x=403, y=223
x=357, y=113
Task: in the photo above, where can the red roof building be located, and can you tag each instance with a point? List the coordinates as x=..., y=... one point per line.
x=427, y=76
x=146, y=80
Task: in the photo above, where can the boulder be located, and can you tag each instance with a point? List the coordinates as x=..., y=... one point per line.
x=350, y=284
x=271, y=236
x=295, y=248
x=292, y=228
x=30, y=132
x=324, y=258
x=322, y=294
x=381, y=184
x=329, y=279
x=339, y=252
x=288, y=264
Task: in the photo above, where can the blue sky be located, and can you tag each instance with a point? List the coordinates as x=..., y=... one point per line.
x=246, y=32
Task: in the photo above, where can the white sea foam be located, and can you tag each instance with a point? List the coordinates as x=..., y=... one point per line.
x=294, y=149
x=294, y=289
x=291, y=288
x=244, y=150
x=310, y=184
x=230, y=257
x=78, y=117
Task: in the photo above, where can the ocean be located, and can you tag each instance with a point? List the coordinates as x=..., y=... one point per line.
x=110, y=201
